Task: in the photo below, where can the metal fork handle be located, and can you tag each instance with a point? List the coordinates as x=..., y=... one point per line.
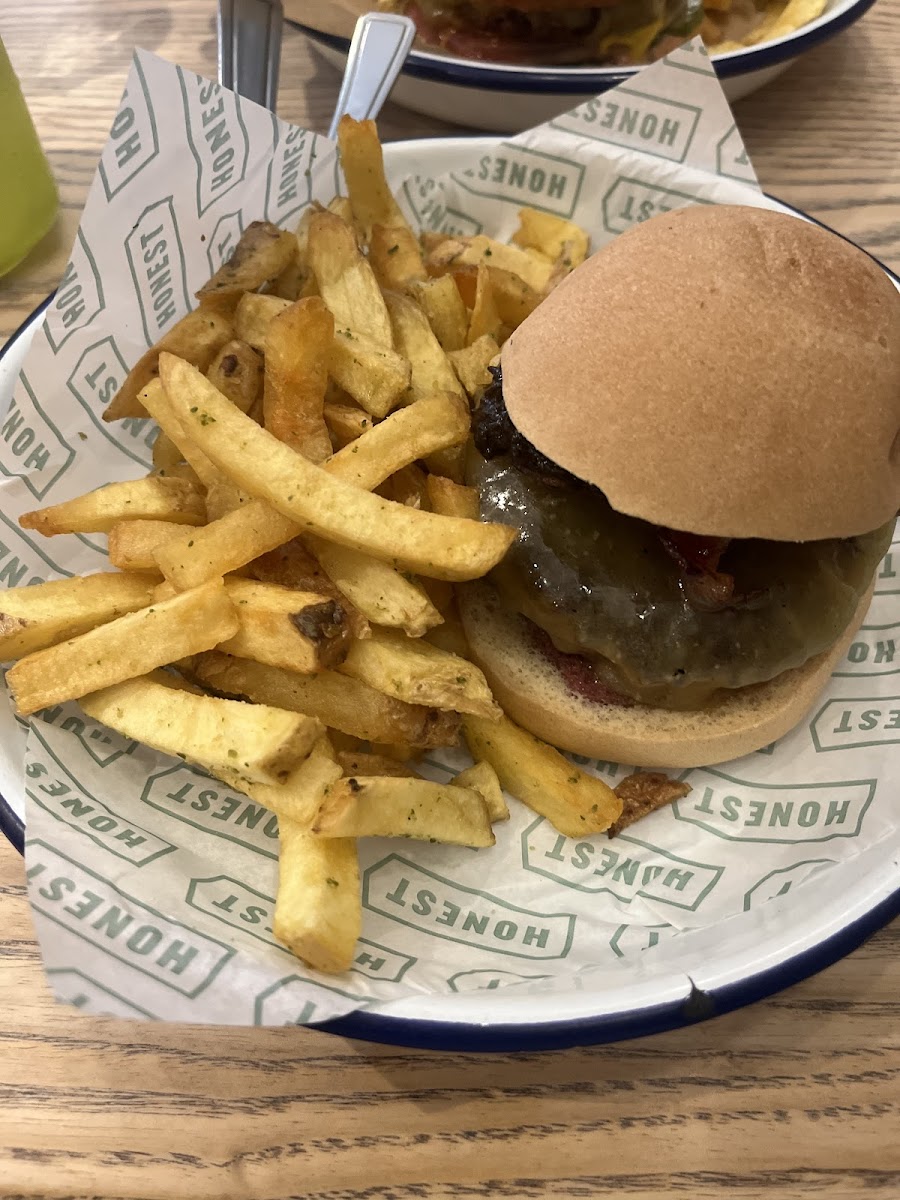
x=380, y=45
x=250, y=48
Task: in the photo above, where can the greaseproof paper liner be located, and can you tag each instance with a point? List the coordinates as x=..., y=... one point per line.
x=152, y=885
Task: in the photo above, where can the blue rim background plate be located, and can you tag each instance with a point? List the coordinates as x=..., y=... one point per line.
x=735, y=987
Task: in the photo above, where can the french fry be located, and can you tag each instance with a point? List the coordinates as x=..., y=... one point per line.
x=574, y=802
x=359, y=762
x=336, y=700
x=149, y=499
x=442, y=304
x=377, y=590
x=299, y=631
x=415, y=671
x=132, y=543
x=554, y=236
x=452, y=499
x=318, y=912
x=432, y=423
x=123, y=648
x=409, y=486
x=260, y=256
x=362, y=161
x=346, y=281
x=225, y=545
x=299, y=797
x=373, y=375
x=237, y=372
x=439, y=547
x=259, y=743
x=450, y=636
x=478, y=250
x=155, y=401
x=471, y=364
x=195, y=338
x=298, y=349
x=165, y=453
x=345, y=422
x=415, y=340
x=485, y=319
x=395, y=257
x=43, y=614
x=253, y=316
x=482, y=778
x=388, y=806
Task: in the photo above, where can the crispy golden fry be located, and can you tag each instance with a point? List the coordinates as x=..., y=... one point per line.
x=258, y=743
x=253, y=316
x=32, y=618
x=346, y=281
x=362, y=161
x=195, y=338
x=380, y=593
x=226, y=545
x=432, y=423
x=341, y=207
x=293, y=565
x=555, y=237
x=450, y=636
x=374, y=376
x=149, y=499
x=156, y=402
x=340, y=702
x=439, y=547
x=318, y=912
x=387, y=806
x=400, y=752
x=471, y=364
x=431, y=369
x=123, y=648
x=643, y=792
x=299, y=631
x=132, y=543
x=165, y=453
x=298, y=798
x=359, y=762
x=482, y=778
x=409, y=486
x=515, y=299
x=345, y=422
x=452, y=499
x=395, y=257
x=573, y=802
x=223, y=498
x=260, y=256
x=298, y=349
x=474, y=251
x=442, y=304
x=485, y=320
x=237, y=372
x=415, y=671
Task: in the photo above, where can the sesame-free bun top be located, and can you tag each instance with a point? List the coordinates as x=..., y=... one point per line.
x=722, y=370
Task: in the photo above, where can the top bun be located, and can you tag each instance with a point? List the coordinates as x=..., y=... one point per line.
x=721, y=370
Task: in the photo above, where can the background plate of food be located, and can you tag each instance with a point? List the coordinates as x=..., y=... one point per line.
x=543, y=56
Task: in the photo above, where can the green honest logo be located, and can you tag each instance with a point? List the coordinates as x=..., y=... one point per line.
x=95, y=379
x=195, y=799
x=223, y=240
x=631, y=202
x=543, y=181
x=156, y=260
x=872, y=652
x=636, y=121
x=403, y=892
x=487, y=980
x=72, y=986
x=22, y=561
x=79, y=297
x=36, y=451
x=626, y=868
x=630, y=940
x=132, y=141
x=780, y=882
x=376, y=961
x=217, y=137
x=103, y=745
x=289, y=178
x=94, y=910
x=739, y=810
x=848, y=724
x=295, y=1000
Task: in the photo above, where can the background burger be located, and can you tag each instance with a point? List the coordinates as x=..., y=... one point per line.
x=623, y=32
x=697, y=435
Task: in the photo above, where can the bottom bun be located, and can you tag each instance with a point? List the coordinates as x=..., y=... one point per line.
x=534, y=694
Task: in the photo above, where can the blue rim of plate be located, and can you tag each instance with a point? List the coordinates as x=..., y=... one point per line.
x=584, y=81
x=578, y=1031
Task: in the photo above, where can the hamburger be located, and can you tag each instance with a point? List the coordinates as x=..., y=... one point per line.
x=696, y=434
x=621, y=32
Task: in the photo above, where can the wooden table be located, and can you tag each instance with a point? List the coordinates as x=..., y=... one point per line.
x=799, y=1093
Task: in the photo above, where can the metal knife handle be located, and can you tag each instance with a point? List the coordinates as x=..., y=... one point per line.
x=381, y=42
x=250, y=48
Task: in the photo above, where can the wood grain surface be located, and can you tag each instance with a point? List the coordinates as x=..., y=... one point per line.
x=798, y=1095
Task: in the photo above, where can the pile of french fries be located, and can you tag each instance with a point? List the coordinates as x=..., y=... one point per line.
x=281, y=606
